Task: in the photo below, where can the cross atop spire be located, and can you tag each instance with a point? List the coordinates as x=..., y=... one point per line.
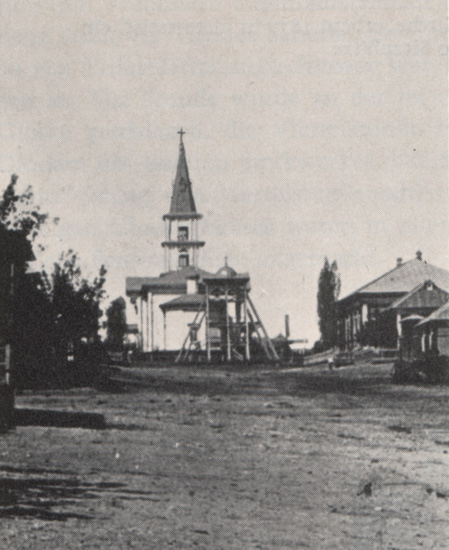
x=181, y=133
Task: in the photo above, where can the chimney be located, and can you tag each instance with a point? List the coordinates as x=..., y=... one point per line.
x=287, y=326
x=419, y=255
x=398, y=262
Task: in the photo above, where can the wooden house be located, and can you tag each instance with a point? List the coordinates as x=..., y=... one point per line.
x=366, y=316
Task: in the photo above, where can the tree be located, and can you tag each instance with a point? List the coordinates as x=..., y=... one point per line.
x=50, y=310
x=116, y=324
x=76, y=301
x=19, y=213
x=22, y=301
x=328, y=291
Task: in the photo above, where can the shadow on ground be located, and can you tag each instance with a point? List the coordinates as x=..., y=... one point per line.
x=58, y=419
x=366, y=381
x=222, y=381
x=36, y=497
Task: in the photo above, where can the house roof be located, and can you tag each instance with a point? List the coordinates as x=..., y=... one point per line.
x=441, y=314
x=404, y=278
x=185, y=302
x=182, y=202
x=424, y=295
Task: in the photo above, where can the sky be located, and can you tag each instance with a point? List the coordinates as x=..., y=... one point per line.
x=313, y=129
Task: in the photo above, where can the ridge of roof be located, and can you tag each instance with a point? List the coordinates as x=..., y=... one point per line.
x=412, y=272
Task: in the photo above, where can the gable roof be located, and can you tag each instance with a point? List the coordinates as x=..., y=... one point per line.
x=441, y=314
x=404, y=278
x=424, y=295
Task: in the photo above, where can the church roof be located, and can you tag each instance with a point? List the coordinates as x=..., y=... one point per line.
x=185, y=302
x=226, y=271
x=405, y=277
x=182, y=201
x=167, y=283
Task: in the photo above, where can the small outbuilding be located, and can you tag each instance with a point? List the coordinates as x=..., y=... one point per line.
x=433, y=332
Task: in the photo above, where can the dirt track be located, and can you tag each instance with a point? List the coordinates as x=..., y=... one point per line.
x=219, y=459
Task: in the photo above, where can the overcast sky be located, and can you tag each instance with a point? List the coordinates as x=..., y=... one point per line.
x=314, y=128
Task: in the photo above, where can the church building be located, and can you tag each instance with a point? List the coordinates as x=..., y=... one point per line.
x=187, y=309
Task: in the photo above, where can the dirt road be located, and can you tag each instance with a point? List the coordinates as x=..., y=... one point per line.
x=216, y=459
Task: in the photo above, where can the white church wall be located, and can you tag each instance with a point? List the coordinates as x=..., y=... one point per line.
x=158, y=317
x=177, y=328
x=176, y=325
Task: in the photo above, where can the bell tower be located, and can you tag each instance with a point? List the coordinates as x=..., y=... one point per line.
x=181, y=243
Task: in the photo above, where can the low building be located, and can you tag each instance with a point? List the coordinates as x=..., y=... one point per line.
x=366, y=316
x=433, y=332
x=412, y=308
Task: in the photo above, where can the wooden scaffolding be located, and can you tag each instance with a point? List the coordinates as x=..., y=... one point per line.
x=238, y=337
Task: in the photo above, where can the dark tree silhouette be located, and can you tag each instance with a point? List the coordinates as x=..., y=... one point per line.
x=19, y=213
x=116, y=324
x=328, y=291
x=75, y=300
x=48, y=311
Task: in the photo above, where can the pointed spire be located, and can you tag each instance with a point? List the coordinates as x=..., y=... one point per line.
x=182, y=201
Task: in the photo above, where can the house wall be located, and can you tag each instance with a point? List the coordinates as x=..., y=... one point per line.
x=356, y=316
x=443, y=340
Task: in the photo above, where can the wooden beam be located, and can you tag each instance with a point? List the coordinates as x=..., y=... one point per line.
x=207, y=325
x=269, y=342
x=152, y=322
x=228, y=335
x=245, y=314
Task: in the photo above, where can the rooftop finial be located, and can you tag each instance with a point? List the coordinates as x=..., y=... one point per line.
x=419, y=255
x=226, y=261
x=181, y=133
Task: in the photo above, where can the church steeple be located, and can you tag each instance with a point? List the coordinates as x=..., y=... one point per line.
x=182, y=201
x=182, y=244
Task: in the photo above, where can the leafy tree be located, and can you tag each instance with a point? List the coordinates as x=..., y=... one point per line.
x=28, y=310
x=328, y=291
x=49, y=310
x=18, y=211
x=116, y=324
x=75, y=300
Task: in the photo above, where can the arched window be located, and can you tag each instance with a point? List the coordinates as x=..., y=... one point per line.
x=183, y=260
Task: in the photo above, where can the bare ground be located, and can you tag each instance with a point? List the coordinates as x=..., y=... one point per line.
x=229, y=459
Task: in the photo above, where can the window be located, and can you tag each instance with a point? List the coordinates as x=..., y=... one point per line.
x=183, y=233
x=183, y=258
